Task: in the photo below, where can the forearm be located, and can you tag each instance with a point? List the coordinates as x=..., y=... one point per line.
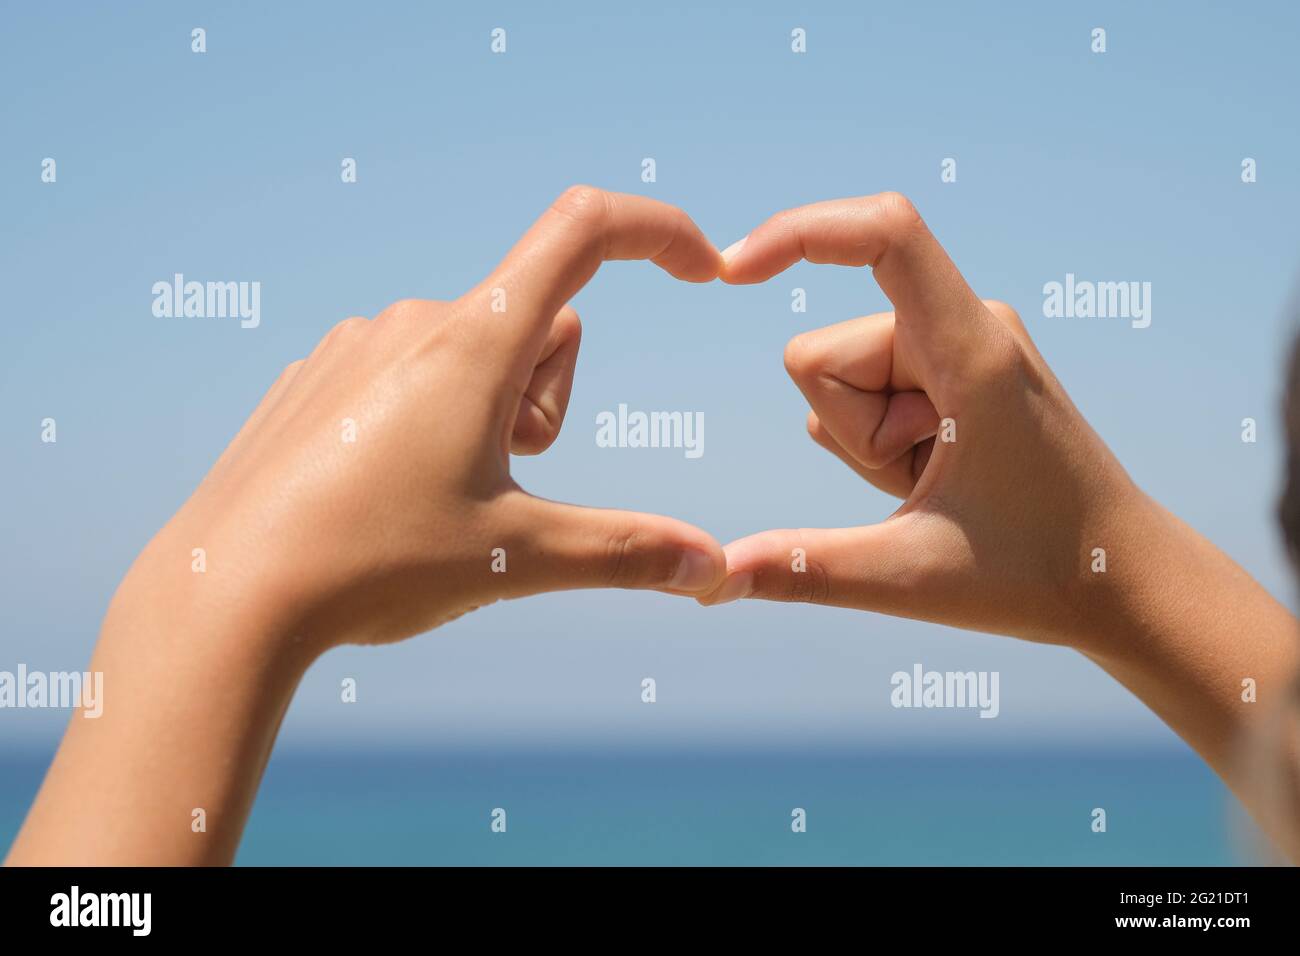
x=1195, y=637
x=195, y=684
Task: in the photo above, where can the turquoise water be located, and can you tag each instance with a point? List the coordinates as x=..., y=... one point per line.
x=352, y=807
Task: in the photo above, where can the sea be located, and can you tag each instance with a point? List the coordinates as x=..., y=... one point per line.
x=716, y=807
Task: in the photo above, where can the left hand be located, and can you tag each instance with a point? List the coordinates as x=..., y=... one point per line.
x=945, y=403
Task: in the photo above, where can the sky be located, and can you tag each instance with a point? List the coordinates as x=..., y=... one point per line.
x=225, y=166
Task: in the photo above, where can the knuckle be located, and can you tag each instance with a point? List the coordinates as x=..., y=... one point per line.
x=1002, y=310
x=412, y=312
x=810, y=586
x=898, y=209
x=345, y=329
x=584, y=205
x=402, y=309
x=784, y=221
x=292, y=369
x=634, y=562
x=800, y=357
x=567, y=323
x=871, y=455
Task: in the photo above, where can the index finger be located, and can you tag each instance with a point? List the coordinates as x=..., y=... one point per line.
x=566, y=245
x=882, y=231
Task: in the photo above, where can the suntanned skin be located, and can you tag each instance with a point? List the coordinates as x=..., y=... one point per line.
x=312, y=542
x=998, y=525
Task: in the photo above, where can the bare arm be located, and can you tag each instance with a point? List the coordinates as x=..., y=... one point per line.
x=1010, y=500
x=367, y=499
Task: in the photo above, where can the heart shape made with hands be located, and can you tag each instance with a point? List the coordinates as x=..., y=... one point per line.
x=885, y=396
x=889, y=394
x=886, y=391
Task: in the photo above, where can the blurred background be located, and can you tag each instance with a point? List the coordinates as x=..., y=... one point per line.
x=225, y=166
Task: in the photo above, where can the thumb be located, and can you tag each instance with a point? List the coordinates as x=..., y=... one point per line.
x=577, y=547
x=871, y=568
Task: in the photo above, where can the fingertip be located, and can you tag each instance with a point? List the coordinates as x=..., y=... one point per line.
x=733, y=250
x=698, y=572
x=744, y=557
x=697, y=261
x=751, y=264
x=746, y=554
x=532, y=433
x=701, y=564
x=734, y=587
x=714, y=269
x=733, y=271
x=739, y=275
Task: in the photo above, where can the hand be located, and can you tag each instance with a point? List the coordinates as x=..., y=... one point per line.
x=945, y=403
x=311, y=539
x=1011, y=502
x=366, y=495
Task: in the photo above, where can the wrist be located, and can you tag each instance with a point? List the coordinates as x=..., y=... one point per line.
x=1124, y=553
x=198, y=591
x=197, y=673
x=1173, y=610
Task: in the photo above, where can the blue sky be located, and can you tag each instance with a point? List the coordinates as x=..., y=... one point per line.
x=225, y=166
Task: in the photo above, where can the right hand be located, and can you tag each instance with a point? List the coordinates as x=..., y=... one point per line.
x=366, y=497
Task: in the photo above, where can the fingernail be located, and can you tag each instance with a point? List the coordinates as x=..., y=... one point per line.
x=733, y=250
x=735, y=587
x=694, y=573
